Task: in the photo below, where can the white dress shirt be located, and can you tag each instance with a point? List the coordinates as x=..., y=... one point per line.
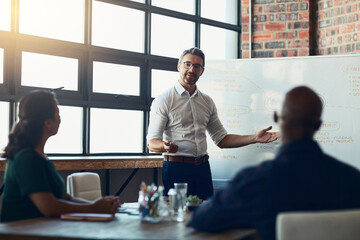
x=183, y=119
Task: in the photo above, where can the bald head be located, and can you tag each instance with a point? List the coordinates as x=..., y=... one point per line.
x=301, y=113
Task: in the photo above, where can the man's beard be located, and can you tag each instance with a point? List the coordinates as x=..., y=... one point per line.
x=191, y=82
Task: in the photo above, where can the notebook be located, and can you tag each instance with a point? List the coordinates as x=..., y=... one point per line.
x=87, y=216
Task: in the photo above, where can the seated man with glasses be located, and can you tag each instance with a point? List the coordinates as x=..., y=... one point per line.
x=179, y=118
x=300, y=178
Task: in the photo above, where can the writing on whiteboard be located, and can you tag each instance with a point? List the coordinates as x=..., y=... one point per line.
x=247, y=92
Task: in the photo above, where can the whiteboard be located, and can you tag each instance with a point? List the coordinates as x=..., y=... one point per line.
x=247, y=92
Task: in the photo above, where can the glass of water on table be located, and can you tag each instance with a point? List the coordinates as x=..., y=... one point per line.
x=181, y=190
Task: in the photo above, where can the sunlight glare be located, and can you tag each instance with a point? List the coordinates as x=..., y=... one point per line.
x=57, y=19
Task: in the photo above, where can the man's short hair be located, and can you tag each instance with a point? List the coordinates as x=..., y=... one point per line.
x=194, y=51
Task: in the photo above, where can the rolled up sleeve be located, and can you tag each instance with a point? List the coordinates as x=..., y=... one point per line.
x=158, y=119
x=215, y=128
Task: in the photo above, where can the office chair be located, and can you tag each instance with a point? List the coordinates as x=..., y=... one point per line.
x=320, y=225
x=84, y=185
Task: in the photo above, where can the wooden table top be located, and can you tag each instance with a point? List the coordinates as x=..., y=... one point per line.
x=123, y=227
x=103, y=162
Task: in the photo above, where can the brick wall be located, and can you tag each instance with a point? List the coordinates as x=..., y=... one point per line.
x=338, y=27
x=286, y=28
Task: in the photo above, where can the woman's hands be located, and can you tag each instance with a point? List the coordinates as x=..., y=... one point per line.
x=108, y=204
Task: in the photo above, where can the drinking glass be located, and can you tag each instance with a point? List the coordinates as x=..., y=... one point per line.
x=173, y=203
x=181, y=190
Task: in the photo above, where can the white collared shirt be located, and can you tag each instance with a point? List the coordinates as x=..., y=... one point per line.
x=183, y=119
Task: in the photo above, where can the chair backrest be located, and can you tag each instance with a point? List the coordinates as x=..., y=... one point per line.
x=324, y=225
x=85, y=185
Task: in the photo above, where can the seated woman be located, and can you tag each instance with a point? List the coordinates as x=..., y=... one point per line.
x=33, y=187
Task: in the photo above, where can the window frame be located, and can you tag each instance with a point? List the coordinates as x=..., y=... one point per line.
x=15, y=43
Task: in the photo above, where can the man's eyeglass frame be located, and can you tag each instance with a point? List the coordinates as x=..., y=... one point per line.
x=197, y=67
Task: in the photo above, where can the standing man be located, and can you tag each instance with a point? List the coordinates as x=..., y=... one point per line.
x=301, y=177
x=179, y=118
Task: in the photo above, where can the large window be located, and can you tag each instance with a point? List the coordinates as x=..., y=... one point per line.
x=58, y=19
x=117, y=27
x=184, y=6
x=225, y=12
x=220, y=47
x=40, y=70
x=116, y=79
x=176, y=38
x=4, y=124
x=106, y=61
x=69, y=137
x=162, y=80
x=116, y=131
x=1, y=65
x=5, y=15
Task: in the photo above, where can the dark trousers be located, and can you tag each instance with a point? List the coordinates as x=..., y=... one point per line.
x=198, y=178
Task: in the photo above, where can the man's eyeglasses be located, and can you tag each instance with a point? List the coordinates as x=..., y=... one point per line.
x=197, y=67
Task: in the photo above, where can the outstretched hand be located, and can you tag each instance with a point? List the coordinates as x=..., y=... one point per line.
x=264, y=136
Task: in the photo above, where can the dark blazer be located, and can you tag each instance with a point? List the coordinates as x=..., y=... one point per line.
x=300, y=178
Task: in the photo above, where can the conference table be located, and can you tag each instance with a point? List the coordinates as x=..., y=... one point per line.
x=124, y=226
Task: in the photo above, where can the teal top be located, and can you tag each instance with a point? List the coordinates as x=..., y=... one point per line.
x=28, y=173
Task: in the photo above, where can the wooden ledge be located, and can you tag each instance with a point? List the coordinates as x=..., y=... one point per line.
x=101, y=162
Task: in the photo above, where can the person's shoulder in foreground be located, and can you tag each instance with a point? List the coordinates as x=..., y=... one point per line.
x=233, y=206
x=254, y=197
